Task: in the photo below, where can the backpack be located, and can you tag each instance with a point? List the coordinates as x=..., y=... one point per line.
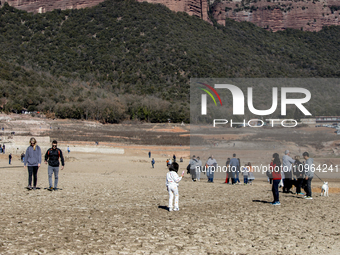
x=48, y=153
x=299, y=170
x=188, y=169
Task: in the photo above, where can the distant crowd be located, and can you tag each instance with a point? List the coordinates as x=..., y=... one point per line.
x=283, y=174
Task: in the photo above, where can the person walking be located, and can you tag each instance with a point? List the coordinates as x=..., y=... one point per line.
x=245, y=173
x=32, y=162
x=234, y=164
x=22, y=157
x=193, y=163
x=309, y=174
x=212, y=166
x=10, y=158
x=275, y=168
x=287, y=162
x=3, y=148
x=149, y=154
x=52, y=158
x=153, y=163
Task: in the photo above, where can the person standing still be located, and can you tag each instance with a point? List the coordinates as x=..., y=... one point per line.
x=32, y=162
x=149, y=154
x=275, y=169
x=198, y=169
x=309, y=174
x=3, y=149
x=10, y=158
x=287, y=162
x=52, y=158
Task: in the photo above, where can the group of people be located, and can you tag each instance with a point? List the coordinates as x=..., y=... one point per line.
x=234, y=169
x=2, y=148
x=32, y=161
x=281, y=174
x=194, y=168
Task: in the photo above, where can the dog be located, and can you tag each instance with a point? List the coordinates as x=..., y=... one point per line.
x=324, y=189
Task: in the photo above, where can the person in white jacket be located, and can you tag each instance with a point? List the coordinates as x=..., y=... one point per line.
x=172, y=180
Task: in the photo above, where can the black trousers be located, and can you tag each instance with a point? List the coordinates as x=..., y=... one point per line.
x=32, y=170
x=287, y=184
x=308, y=187
x=299, y=183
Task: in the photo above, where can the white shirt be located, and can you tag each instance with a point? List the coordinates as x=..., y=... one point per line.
x=172, y=178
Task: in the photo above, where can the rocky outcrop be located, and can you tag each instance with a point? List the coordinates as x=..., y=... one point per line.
x=197, y=8
x=42, y=6
x=275, y=15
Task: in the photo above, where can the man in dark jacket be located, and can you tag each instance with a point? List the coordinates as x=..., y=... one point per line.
x=299, y=172
x=52, y=157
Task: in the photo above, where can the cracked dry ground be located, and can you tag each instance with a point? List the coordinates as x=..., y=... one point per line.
x=109, y=204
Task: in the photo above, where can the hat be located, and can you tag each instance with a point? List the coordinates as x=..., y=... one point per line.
x=286, y=152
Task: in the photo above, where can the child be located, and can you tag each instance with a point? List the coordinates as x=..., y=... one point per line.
x=172, y=180
x=251, y=176
x=245, y=172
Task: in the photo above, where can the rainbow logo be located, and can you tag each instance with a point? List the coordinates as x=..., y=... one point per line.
x=209, y=93
x=204, y=98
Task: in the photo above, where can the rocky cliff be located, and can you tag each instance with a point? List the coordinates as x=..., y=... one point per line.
x=309, y=15
x=198, y=8
x=41, y=6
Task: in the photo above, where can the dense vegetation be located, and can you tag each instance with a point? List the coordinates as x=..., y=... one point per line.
x=127, y=60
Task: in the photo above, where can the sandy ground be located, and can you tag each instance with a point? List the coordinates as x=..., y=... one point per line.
x=116, y=204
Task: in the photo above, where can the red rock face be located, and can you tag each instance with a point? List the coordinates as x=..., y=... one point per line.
x=41, y=6
x=192, y=7
x=309, y=15
x=197, y=8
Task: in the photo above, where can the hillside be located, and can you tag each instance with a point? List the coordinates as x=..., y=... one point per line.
x=128, y=60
